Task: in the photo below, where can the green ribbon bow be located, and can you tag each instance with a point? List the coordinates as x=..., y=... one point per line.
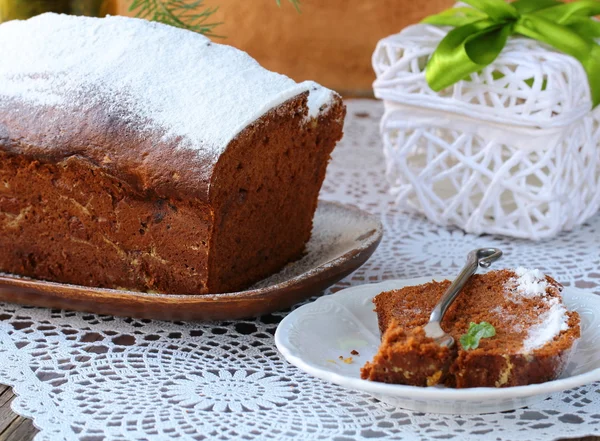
x=480, y=34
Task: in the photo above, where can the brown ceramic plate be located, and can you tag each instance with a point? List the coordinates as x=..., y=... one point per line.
x=343, y=238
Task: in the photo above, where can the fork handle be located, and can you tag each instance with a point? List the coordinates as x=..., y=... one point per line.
x=483, y=257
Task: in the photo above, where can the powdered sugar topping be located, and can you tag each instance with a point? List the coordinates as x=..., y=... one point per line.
x=528, y=283
x=175, y=81
x=550, y=324
x=552, y=319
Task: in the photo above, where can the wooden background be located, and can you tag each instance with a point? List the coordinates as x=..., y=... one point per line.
x=330, y=42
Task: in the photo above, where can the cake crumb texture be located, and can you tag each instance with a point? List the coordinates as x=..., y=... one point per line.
x=534, y=332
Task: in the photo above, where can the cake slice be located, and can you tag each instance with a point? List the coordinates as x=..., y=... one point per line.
x=534, y=333
x=140, y=156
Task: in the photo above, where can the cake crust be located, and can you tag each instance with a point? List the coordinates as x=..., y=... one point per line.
x=73, y=220
x=193, y=171
x=159, y=122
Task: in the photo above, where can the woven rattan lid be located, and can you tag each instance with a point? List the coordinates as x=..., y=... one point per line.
x=529, y=84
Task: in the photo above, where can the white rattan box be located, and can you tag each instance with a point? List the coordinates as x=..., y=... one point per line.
x=513, y=150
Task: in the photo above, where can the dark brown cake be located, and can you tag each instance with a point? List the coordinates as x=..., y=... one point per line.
x=408, y=356
x=534, y=333
x=172, y=164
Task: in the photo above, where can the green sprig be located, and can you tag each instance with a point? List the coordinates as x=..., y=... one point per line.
x=187, y=14
x=476, y=332
x=295, y=3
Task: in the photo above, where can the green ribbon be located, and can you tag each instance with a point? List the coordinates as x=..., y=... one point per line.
x=481, y=31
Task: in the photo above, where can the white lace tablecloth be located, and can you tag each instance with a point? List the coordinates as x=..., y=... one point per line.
x=88, y=377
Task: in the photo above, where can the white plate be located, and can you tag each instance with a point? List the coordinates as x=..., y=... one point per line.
x=315, y=335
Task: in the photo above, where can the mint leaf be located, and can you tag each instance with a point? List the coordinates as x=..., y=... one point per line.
x=476, y=332
x=484, y=328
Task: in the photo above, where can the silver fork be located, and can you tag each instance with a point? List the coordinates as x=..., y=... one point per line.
x=483, y=257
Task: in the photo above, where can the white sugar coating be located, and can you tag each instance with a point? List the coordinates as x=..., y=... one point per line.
x=550, y=324
x=532, y=283
x=529, y=283
x=176, y=81
x=527, y=272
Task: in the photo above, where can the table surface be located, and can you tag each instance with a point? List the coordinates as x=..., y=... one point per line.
x=17, y=428
x=12, y=426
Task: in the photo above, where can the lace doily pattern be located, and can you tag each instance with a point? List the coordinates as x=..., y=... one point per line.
x=86, y=377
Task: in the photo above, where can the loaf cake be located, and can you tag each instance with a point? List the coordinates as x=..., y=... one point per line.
x=534, y=333
x=135, y=155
